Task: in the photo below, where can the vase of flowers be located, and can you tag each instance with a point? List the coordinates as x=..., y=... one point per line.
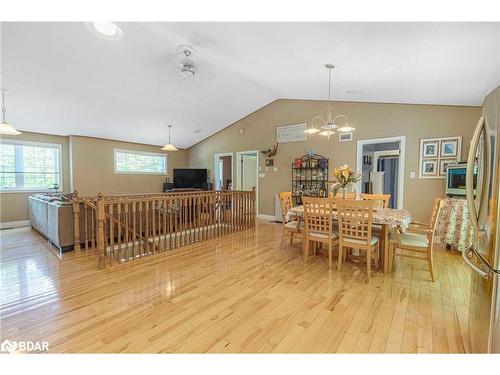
x=343, y=177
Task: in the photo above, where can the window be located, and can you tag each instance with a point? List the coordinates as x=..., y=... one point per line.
x=29, y=166
x=136, y=162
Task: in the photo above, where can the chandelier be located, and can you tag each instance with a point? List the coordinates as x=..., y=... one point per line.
x=326, y=124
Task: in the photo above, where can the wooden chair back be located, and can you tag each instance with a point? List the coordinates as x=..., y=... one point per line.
x=285, y=203
x=438, y=203
x=355, y=219
x=382, y=200
x=349, y=195
x=318, y=214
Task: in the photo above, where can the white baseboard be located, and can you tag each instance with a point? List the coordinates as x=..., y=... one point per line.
x=266, y=217
x=14, y=224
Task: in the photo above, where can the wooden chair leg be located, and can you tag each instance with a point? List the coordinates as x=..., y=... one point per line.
x=431, y=264
x=341, y=251
x=291, y=238
x=306, y=250
x=379, y=259
x=330, y=254
x=369, y=263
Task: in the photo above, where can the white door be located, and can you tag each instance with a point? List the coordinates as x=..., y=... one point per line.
x=248, y=172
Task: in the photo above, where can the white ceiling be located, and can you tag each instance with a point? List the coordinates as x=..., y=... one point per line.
x=64, y=80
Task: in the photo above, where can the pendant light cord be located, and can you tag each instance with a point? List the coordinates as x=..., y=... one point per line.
x=329, y=88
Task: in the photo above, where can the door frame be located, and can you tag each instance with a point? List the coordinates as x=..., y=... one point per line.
x=216, y=166
x=401, y=167
x=238, y=173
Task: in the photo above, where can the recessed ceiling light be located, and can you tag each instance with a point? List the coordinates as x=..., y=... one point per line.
x=105, y=30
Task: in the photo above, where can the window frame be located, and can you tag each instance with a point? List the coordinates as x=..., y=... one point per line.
x=57, y=146
x=121, y=150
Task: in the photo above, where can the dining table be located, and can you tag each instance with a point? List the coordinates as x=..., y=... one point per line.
x=388, y=218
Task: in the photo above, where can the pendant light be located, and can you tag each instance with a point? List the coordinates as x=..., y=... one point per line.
x=327, y=121
x=5, y=127
x=169, y=146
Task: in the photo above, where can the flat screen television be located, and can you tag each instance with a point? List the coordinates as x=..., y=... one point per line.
x=190, y=178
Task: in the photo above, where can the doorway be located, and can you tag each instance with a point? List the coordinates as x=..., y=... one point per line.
x=223, y=171
x=381, y=165
x=247, y=171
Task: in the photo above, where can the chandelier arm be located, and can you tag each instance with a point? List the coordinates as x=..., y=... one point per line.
x=341, y=116
x=323, y=122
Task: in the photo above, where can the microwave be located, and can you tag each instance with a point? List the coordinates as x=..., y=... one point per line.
x=455, y=179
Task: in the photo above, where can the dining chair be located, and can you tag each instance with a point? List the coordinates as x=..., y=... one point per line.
x=382, y=200
x=355, y=220
x=290, y=228
x=417, y=239
x=318, y=226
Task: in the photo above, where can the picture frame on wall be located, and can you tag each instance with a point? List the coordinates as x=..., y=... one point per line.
x=449, y=147
x=345, y=137
x=436, y=154
x=429, y=167
x=430, y=149
x=443, y=164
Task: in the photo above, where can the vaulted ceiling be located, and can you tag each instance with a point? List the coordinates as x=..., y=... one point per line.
x=64, y=80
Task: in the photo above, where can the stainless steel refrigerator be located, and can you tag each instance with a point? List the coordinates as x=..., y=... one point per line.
x=484, y=257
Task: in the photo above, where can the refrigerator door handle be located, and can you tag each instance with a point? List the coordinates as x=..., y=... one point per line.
x=467, y=260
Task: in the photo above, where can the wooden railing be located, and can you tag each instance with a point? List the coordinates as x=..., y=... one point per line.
x=124, y=228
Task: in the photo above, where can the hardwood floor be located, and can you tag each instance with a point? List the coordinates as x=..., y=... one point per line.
x=241, y=293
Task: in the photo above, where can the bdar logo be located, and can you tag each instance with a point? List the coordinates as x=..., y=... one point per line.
x=8, y=346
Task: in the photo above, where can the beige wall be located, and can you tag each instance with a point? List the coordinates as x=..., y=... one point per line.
x=91, y=159
x=373, y=120
x=92, y=162
x=14, y=206
x=88, y=166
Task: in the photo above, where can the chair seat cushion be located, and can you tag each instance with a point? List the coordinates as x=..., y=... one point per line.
x=293, y=225
x=413, y=239
x=373, y=240
x=322, y=234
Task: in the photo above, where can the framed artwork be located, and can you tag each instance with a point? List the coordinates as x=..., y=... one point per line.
x=443, y=164
x=345, y=137
x=449, y=148
x=436, y=154
x=430, y=149
x=429, y=167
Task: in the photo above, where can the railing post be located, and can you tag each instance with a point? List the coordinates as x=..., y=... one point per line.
x=255, y=203
x=101, y=259
x=76, y=222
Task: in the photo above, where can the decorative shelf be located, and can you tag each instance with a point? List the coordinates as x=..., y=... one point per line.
x=310, y=178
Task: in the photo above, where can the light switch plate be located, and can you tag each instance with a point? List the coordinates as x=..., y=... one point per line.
x=267, y=169
x=412, y=175
x=275, y=169
x=261, y=175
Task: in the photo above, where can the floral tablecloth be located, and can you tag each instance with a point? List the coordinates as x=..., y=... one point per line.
x=391, y=216
x=453, y=227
